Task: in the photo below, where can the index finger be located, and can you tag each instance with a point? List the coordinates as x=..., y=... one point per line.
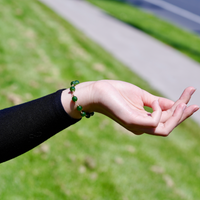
x=164, y=103
x=184, y=98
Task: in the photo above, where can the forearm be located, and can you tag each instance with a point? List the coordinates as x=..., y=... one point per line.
x=27, y=125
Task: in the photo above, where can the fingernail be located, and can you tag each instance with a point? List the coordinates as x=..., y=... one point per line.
x=195, y=110
x=184, y=107
x=192, y=92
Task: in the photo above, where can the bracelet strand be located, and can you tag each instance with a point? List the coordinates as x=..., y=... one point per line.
x=74, y=99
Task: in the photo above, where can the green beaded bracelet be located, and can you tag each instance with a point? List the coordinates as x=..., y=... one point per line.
x=74, y=99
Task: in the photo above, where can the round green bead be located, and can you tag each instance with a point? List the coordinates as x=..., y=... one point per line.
x=73, y=83
x=83, y=114
x=76, y=82
x=79, y=108
x=72, y=89
x=74, y=98
x=87, y=115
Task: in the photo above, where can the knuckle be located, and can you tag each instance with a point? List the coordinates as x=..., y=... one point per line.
x=166, y=133
x=154, y=123
x=138, y=133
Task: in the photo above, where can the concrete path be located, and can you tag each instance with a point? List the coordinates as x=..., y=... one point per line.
x=166, y=70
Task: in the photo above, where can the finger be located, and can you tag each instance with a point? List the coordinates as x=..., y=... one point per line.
x=157, y=112
x=185, y=97
x=149, y=120
x=164, y=129
x=164, y=103
x=188, y=112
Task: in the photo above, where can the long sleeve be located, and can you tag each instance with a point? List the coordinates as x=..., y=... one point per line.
x=25, y=126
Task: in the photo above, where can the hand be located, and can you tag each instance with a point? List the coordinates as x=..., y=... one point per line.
x=124, y=103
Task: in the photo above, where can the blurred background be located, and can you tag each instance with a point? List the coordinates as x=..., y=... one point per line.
x=183, y=13
x=41, y=52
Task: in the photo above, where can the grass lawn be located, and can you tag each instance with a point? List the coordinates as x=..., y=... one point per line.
x=186, y=42
x=94, y=159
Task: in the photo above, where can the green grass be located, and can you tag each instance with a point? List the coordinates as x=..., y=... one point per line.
x=94, y=159
x=186, y=42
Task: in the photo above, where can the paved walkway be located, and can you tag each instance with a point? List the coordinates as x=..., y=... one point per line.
x=166, y=70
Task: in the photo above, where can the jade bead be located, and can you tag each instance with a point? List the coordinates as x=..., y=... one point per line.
x=87, y=115
x=73, y=83
x=72, y=89
x=83, y=114
x=76, y=82
x=79, y=108
x=74, y=98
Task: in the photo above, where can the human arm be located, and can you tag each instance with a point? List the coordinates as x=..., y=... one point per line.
x=27, y=125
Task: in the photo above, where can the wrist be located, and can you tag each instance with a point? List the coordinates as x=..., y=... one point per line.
x=84, y=94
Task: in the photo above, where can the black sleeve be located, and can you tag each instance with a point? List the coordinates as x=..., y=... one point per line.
x=25, y=126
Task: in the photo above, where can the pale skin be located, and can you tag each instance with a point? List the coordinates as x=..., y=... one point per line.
x=124, y=103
